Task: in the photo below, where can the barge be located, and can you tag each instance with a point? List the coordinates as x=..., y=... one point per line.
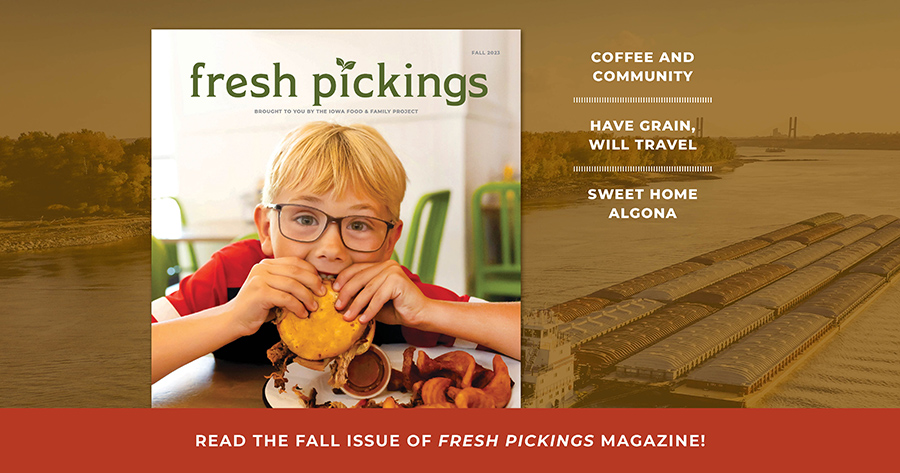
x=724, y=325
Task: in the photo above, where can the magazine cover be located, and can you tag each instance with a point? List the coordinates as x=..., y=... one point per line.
x=406, y=141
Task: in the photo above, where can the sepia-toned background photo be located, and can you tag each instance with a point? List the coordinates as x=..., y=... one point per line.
x=75, y=165
x=702, y=306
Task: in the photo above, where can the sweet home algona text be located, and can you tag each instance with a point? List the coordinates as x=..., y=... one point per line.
x=638, y=194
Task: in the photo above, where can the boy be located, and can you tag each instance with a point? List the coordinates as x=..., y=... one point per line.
x=330, y=207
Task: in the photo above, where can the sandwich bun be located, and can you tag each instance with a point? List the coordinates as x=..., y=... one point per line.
x=324, y=334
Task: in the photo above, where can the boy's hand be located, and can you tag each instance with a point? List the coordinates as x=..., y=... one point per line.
x=382, y=290
x=280, y=282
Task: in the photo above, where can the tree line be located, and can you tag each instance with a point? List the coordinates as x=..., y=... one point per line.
x=550, y=154
x=73, y=174
x=855, y=141
x=882, y=141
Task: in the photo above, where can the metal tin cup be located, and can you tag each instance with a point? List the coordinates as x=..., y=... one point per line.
x=368, y=374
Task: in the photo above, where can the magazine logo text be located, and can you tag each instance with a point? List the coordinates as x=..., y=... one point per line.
x=384, y=81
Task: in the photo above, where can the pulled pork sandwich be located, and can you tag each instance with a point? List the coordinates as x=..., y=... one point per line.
x=321, y=338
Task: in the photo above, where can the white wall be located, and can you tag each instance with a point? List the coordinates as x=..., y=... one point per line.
x=221, y=146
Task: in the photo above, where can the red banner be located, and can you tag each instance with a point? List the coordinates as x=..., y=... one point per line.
x=734, y=440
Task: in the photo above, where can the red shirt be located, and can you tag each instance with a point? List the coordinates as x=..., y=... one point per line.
x=219, y=280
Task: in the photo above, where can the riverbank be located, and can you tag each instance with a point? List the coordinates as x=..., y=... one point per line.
x=30, y=235
x=574, y=186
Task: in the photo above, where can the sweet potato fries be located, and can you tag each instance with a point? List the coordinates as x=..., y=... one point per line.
x=452, y=380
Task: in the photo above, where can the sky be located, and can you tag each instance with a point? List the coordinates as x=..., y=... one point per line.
x=69, y=66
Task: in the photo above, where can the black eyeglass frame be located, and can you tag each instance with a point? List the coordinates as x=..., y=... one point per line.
x=329, y=219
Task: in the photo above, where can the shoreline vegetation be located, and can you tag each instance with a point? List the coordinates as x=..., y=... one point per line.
x=72, y=189
x=863, y=141
x=80, y=174
x=32, y=235
x=548, y=159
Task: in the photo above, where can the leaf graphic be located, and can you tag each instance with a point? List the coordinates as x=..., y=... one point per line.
x=349, y=64
x=340, y=62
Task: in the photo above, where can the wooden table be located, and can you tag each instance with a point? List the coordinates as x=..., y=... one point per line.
x=207, y=382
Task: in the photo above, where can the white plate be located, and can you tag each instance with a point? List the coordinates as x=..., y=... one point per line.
x=308, y=379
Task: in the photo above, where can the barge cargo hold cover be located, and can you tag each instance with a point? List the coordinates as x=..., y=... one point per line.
x=735, y=287
x=622, y=290
x=676, y=355
x=809, y=255
x=771, y=253
x=617, y=345
x=786, y=293
x=851, y=235
x=851, y=220
x=844, y=258
x=842, y=296
x=784, y=232
x=822, y=219
x=747, y=365
x=606, y=320
x=740, y=248
x=684, y=285
x=816, y=233
x=885, y=263
x=576, y=308
x=884, y=236
x=878, y=222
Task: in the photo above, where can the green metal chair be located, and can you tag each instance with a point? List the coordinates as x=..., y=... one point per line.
x=498, y=269
x=160, y=269
x=431, y=238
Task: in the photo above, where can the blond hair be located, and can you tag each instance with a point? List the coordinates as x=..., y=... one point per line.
x=323, y=157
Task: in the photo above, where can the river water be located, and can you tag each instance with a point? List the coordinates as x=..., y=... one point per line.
x=571, y=249
x=75, y=326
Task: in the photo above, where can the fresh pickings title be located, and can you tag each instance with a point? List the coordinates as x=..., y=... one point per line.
x=454, y=88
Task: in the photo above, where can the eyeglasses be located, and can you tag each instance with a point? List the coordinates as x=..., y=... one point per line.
x=307, y=224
